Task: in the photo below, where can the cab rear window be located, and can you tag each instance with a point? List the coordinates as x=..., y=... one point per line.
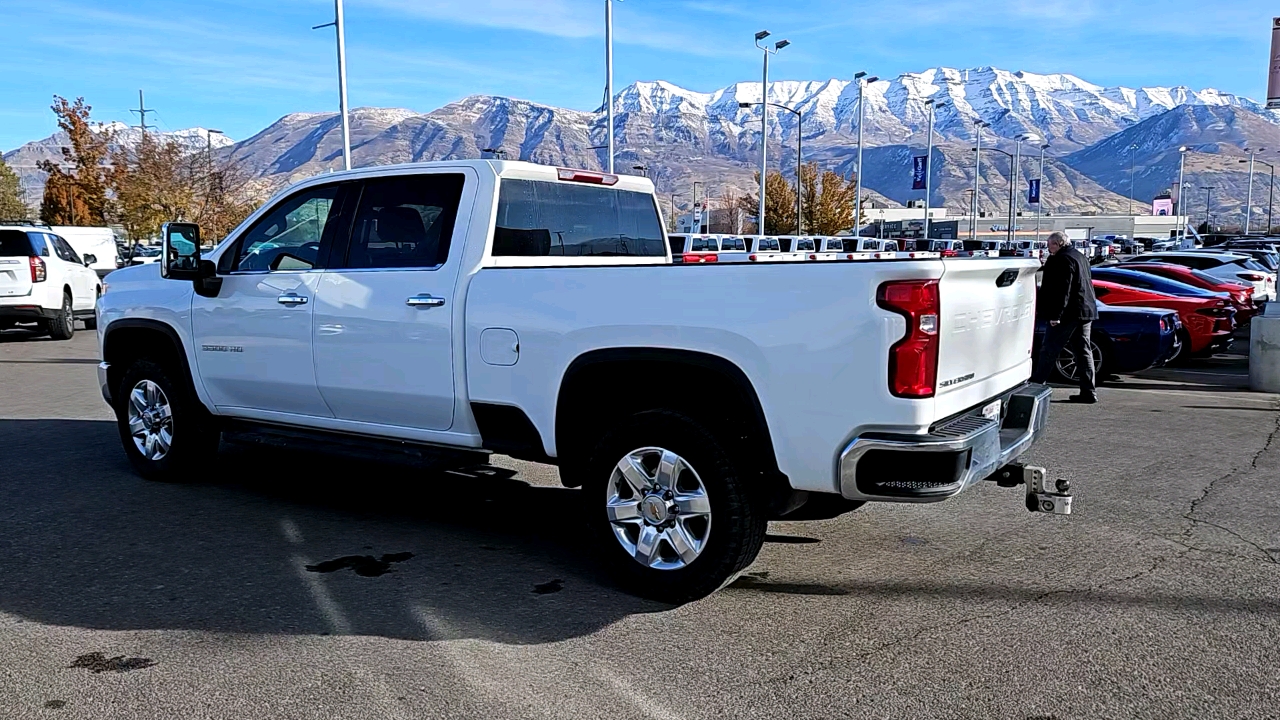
x=539, y=219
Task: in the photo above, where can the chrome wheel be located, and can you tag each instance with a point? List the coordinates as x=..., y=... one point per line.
x=658, y=508
x=150, y=420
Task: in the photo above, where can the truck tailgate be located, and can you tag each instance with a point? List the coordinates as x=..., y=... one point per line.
x=987, y=327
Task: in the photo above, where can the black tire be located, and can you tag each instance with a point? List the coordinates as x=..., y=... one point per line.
x=738, y=518
x=1184, y=352
x=62, y=327
x=1064, y=366
x=194, y=432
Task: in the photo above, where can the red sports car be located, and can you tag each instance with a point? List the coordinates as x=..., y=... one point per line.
x=1241, y=295
x=1208, y=322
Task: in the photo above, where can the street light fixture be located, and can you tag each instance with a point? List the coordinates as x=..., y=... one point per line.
x=1015, y=179
x=799, y=155
x=339, y=26
x=1271, y=195
x=498, y=153
x=764, y=115
x=1182, y=210
x=1012, y=161
x=862, y=80
x=644, y=171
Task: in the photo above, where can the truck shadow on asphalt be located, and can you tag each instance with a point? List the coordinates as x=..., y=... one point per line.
x=88, y=543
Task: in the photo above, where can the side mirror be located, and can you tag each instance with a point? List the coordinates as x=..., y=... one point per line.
x=180, y=253
x=90, y=259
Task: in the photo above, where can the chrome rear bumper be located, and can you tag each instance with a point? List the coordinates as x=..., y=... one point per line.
x=884, y=467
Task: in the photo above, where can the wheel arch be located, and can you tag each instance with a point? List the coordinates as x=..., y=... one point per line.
x=709, y=387
x=129, y=339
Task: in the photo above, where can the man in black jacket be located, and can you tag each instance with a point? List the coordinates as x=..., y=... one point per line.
x=1068, y=303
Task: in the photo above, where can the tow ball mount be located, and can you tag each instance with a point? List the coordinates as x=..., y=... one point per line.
x=1039, y=499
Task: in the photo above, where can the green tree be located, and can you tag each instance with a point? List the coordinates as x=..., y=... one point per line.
x=779, y=205
x=76, y=191
x=12, y=206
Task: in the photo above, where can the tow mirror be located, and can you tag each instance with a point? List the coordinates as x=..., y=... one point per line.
x=180, y=253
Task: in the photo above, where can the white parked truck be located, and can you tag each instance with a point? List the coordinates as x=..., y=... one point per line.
x=469, y=307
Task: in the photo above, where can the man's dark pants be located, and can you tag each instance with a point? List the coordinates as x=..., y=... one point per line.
x=1057, y=337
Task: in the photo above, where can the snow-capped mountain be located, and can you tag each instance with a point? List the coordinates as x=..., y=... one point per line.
x=680, y=135
x=24, y=160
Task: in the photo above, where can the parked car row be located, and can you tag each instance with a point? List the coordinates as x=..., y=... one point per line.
x=700, y=249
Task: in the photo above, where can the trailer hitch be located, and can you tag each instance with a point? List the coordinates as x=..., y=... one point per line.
x=1038, y=498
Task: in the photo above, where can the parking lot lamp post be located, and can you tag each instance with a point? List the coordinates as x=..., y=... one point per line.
x=1132, y=166
x=799, y=153
x=698, y=216
x=977, y=173
x=339, y=24
x=1015, y=180
x=1040, y=199
x=1248, y=205
x=674, y=226
x=764, y=115
x=1208, y=194
x=608, y=77
x=928, y=163
x=1271, y=195
x=862, y=80
x=1182, y=211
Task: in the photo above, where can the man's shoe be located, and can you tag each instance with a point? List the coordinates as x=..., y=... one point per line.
x=1083, y=399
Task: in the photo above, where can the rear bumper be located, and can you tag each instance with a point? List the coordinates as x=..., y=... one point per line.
x=27, y=313
x=960, y=452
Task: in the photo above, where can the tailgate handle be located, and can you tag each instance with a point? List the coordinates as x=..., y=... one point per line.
x=1007, y=278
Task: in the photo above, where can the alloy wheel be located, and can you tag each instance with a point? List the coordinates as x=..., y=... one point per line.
x=150, y=420
x=658, y=508
x=1068, y=367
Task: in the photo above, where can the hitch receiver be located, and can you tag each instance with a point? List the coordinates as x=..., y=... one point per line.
x=1038, y=498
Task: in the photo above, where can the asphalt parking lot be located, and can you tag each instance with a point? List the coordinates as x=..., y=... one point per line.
x=121, y=598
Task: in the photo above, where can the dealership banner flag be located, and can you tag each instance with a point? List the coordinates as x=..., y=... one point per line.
x=1033, y=191
x=919, y=169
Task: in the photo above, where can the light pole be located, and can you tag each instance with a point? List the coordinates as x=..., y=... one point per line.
x=1012, y=160
x=674, y=226
x=1271, y=195
x=1015, y=179
x=697, y=209
x=764, y=115
x=1182, y=171
x=928, y=164
x=1040, y=195
x=799, y=155
x=862, y=80
x=1132, y=166
x=1248, y=206
x=339, y=25
x=608, y=75
x=977, y=173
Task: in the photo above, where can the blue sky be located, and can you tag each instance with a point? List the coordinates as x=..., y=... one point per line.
x=238, y=65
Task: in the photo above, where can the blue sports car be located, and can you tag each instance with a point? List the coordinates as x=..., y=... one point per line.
x=1125, y=340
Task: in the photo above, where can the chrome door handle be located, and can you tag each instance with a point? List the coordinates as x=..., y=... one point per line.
x=292, y=299
x=424, y=301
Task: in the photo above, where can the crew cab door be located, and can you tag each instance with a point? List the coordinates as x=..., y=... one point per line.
x=253, y=341
x=384, y=310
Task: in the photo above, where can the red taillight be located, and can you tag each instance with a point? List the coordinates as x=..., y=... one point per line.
x=813, y=257
x=913, y=360
x=949, y=253
x=1164, y=325
x=586, y=176
x=751, y=257
x=38, y=271
x=690, y=258
x=1253, y=277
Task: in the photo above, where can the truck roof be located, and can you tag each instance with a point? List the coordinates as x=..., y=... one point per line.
x=500, y=168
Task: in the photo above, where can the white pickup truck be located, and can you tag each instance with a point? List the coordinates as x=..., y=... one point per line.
x=472, y=307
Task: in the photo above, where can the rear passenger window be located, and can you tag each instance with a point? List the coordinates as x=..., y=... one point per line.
x=705, y=245
x=540, y=219
x=64, y=250
x=405, y=221
x=15, y=243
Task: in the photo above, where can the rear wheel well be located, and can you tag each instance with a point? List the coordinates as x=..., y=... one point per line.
x=602, y=388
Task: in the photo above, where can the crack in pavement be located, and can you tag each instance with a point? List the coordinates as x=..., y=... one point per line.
x=1190, y=514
